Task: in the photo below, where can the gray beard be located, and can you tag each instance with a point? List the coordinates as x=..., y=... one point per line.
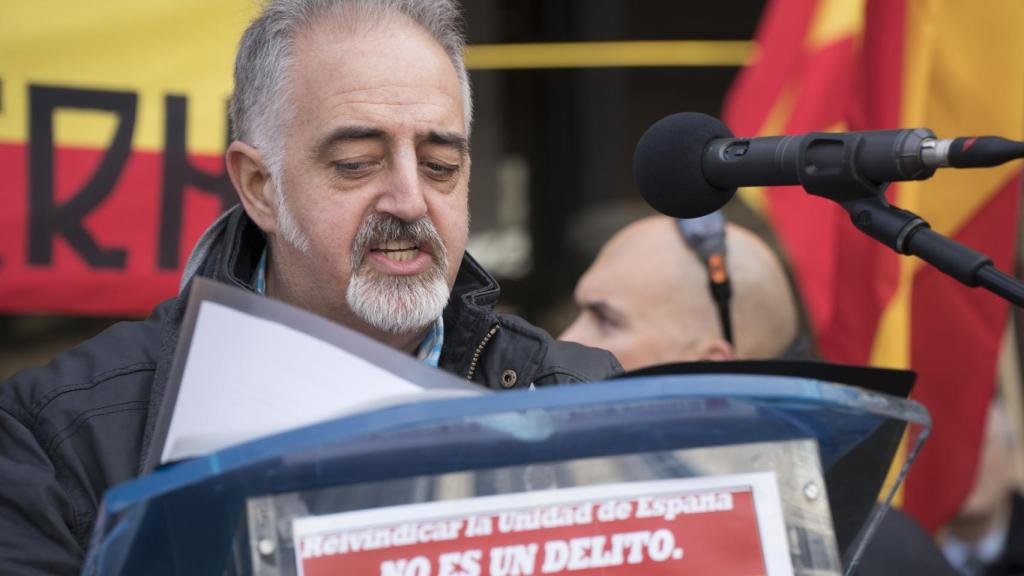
x=391, y=304
x=398, y=304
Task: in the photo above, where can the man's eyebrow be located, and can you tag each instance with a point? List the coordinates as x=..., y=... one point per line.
x=453, y=139
x=345, y=134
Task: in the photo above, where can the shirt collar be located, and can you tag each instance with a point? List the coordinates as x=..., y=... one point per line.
x=987, y=550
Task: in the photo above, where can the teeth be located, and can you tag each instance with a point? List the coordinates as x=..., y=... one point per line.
x=396, y=245
x=400, y=255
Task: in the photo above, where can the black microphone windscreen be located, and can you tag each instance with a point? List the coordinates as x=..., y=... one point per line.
x=667, y=165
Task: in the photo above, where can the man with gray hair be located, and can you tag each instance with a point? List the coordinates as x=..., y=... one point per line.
x=351, y=161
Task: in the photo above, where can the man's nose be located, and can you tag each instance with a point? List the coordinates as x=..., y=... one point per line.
x=403, y=196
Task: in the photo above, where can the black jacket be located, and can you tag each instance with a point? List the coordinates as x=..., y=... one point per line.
x=72, y=429
x=901, y=547
x=1011, y=561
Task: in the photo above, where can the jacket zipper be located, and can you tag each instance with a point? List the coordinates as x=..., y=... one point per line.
x=480, y=349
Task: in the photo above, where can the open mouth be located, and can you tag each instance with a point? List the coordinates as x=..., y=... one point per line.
x=397, y=250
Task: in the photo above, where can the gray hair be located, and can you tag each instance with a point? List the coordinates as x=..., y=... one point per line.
x=259, y=104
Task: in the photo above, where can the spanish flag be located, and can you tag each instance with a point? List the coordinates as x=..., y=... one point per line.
x=955, y=67
x=113, y=124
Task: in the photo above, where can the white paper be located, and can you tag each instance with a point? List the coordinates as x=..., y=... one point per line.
x=248, y=377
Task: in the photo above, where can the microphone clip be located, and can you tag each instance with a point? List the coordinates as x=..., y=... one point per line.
x=837, y=166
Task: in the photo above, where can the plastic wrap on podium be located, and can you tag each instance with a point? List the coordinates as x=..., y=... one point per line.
x=827, y=447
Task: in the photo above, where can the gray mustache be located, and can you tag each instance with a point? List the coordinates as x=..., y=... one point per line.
x=380, y=228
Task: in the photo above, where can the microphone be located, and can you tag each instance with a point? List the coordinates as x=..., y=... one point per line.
x=690, y=164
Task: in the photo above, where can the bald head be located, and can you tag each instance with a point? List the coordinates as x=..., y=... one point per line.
x=646, y=298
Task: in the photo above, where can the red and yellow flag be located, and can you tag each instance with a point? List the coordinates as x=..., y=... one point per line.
x=957, y=68
x=113, y=124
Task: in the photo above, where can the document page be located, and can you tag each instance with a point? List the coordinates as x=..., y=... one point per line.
x=248, y=366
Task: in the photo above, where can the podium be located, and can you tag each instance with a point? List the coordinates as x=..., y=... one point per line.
x=638, y=471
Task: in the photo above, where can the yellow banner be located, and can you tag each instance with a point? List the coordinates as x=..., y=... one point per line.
x=151, y=49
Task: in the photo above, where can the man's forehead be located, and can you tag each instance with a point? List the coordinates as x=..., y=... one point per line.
x=645, y=277
x=361, y=50
x=619, y=270
x=375, y=77
x=603, y=284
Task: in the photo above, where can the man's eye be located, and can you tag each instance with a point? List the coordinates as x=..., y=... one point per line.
x=605, y=323
x=353, y=168
x=439, y=170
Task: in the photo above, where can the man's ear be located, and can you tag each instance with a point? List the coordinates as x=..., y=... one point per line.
x=255, y=187
x=717, y=350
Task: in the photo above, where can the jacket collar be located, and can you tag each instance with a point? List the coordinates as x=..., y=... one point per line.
x=469, y=315
x=229, y=251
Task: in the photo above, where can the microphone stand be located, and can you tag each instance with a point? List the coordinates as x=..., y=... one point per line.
x=835, y=174
x=907, y=233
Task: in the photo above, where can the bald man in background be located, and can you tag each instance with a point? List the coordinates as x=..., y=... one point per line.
x=647, y=300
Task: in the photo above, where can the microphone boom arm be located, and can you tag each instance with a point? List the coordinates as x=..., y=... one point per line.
x=907, y=233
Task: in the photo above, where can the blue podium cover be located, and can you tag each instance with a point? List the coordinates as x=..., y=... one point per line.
x=190, y=517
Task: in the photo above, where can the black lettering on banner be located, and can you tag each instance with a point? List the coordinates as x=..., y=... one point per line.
x=46, y=218
x=179, y=173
